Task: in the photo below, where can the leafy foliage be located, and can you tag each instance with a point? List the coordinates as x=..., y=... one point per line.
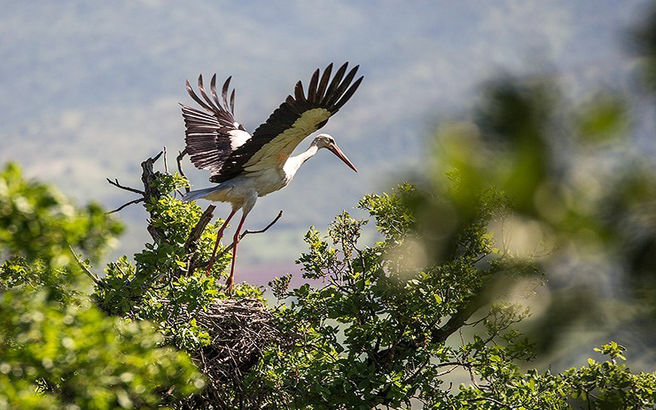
x=37, y=226
x=167, y=282
x=376, y=333
x=56, y=349
x=53, y=357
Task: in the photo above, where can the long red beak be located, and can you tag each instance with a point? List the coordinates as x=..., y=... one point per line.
x=335, y=150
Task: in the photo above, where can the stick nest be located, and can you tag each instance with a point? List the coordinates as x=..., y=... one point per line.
x=240, y=330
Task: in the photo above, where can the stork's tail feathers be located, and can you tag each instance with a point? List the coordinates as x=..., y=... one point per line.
x=197, y=194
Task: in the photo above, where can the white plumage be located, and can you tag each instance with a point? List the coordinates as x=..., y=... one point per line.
x=247, y=166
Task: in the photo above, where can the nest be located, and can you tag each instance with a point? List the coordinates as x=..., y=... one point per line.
x=240, y=331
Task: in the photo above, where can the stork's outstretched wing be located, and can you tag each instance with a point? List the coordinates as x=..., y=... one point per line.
x=212, y=134
x=296, y=118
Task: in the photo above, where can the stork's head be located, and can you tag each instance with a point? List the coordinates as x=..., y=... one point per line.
x=327, y=141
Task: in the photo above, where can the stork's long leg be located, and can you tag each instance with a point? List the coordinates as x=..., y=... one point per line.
x=219, y=235
x=235, y=239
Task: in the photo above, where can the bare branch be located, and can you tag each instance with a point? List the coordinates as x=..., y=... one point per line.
x=181, y=155
x=192, y=241
x=148, y=177
x=135, y=201
x=127, y=188
x=490, y=399
x=155, y=158
x=166, y=160
x=246, y=232
x=449, y=370
x=197, y=231
x=86, y=270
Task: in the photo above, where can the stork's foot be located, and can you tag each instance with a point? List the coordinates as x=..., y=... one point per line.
x=229, y=284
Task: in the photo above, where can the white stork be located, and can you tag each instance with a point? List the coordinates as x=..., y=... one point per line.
x=247, y=166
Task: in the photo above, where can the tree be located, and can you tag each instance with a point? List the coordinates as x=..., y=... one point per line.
x=527, y=183
x=57, y=349
x=380, y=333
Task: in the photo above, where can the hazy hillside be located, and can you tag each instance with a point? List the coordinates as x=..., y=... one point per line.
x=88, y=90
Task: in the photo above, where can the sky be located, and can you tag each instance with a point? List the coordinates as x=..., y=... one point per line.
x=90, y=89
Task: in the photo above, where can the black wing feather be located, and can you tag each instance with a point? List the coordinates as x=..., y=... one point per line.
x=207, y=133
x=324, y=82
x=312, y=88
x=323, y=93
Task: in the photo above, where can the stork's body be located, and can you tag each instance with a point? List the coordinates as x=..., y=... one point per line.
x=247, y=166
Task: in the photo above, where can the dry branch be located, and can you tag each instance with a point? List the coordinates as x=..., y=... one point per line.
x=127, y=188
x=166, y=160
x=181, y=155
x=147, y=177
x=232, y=245
x=134, y=201
x=194, y=236
x=192, y=242
x=247, y=231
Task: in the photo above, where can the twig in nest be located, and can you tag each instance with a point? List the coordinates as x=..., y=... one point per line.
x=127, y=188
x=240, y=330
x=135, y=201
x=86, y=270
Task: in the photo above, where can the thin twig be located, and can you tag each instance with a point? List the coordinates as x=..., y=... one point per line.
x=181, y=155
x=446, y=371
x=135, y=201
x=246, y=232
x=490, y=399
x=86, y=270
x=127, y=188
x=166, y=160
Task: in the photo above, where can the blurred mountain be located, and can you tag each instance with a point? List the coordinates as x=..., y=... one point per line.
x=89, y=89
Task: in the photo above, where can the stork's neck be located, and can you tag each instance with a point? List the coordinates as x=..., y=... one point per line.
x=294, y=163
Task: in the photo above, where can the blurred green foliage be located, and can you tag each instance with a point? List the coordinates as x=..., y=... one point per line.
x=56, y=349
x=579, y=198
x=53, y=356
x=37, y=226
x=390, y=326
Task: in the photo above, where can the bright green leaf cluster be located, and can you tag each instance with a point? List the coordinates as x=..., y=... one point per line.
x=56, y=349
x=55, y=357
x=37, y=226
